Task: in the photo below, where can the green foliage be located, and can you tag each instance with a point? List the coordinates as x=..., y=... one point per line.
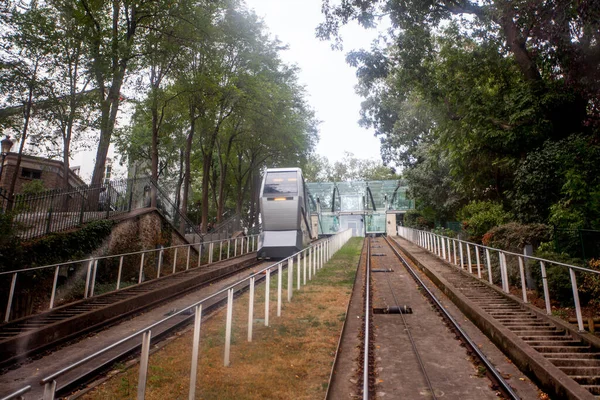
x=478, y=217
x=559, y=280
x=54, y=248
x=514, y=236
x=415, y=219
x=36, y=186
x=350, y=168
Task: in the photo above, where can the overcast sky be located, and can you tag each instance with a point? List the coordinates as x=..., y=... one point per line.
x=328, y=79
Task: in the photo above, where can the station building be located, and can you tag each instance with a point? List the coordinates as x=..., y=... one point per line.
x=366, y=207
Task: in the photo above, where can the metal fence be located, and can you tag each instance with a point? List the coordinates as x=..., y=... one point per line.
x=34, y=215
x=65, y=283
x=306, y=263
x=469, y=256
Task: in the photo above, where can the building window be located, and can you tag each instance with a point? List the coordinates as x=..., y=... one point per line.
x=31, y=173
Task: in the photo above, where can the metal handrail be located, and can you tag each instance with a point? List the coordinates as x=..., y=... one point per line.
x=439, y=245
x=62, y=264
x=18, y=393
x=322, y=252
x=93, y=262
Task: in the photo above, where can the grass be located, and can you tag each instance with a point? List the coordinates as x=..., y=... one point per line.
x=292, y=358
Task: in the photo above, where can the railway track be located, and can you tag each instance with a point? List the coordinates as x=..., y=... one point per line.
x=395, y=347
x=569, y=361
x=32, y=335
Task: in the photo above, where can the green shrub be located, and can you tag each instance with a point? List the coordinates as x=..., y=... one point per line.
x=478, y=217
x=514, y=236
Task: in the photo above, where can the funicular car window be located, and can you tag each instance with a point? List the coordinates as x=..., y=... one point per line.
x=281, y=183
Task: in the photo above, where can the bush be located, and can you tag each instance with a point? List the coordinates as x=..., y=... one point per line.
x=514, y=236
x=559, y=280
x=415, y=219
x=53, y=248
x=478, y=217
x=590, y=284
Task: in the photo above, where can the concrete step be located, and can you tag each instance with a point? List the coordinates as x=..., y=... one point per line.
x=558, y=342
x=534, y=338
x=586, y=380
x=527, y=329
x=588, y=356
x=555, y=348
x=574, y=362
x=581, y=371
x=593, y=389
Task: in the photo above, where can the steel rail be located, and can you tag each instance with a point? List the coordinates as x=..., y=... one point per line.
x=18, y=394
x=504, y=386
x=367, y=322
x=411, y=339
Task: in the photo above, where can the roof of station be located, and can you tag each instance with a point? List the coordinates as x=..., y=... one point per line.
x=359, y=195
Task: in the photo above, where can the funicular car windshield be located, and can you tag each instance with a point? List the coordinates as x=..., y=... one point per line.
x=281, y=183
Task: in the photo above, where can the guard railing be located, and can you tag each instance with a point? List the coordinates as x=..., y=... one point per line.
x=159, y=261
x=307, y=262
x=464, y=254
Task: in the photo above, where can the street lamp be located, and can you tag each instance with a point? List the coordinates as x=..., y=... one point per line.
x=5, y=146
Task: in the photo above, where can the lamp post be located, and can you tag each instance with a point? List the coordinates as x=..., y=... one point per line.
x=5, y=146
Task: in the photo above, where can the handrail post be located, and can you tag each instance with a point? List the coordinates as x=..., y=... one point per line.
x=298, y=272
x=310, y=263
x=522, y=276
x=462, y=260
x=478, y=261
x=175, y=260
x=469, y=259
x=195, y=351
x=11, y=295
x=87, y=279
x=141, y=392
x=546, y=290
x=251, y=309
x=93, y=283
x=267, y=295
x=160, y=261
x=141, y=268
x=120, y=272
x=304, y=267
x=576, y=299
x=279, y=272
x=290, y=286
x=199, y=254
x=228, y=323
x=187, y=260
x=49, y=390
x=54, y=283
x=504, y=272
x=489, y=266
x=454, y=247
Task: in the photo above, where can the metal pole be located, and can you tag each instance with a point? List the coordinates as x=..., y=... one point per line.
x=251, y=309
x=290, y=286
x=576, y=299
x=120, y=272
x=267, y=296
x=11, y=295
x=310, y=263
x=94, y=270
x=175, y=260
x=228, y=247
x=49, y=390
x=160, y=260
x=141, y=392
x=469, y=258
x=228, y=324
x=279, y=271
x=454, y=247
x=141, y=268
x=87, y=278
x=462, y=262
x=546, y=291
x=478, y=261
x=504, y=272
x=211, y=250
x=489, y=265
x=220, y=250
x=298, y=272
x=304, y=267
x=235, y=247
x=54, y=287
x=195, y=350
x=523, y=283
